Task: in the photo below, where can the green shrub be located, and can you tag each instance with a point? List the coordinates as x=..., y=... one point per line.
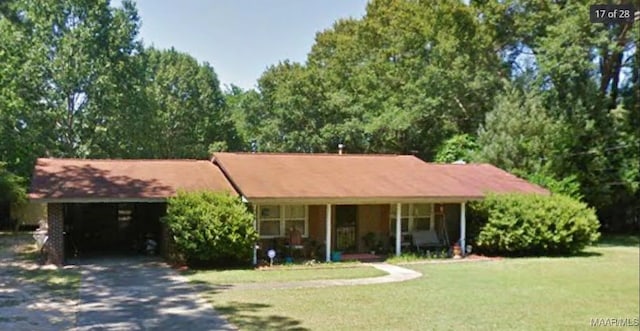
x=528, y=224
x=210, y=228
x=12, y=187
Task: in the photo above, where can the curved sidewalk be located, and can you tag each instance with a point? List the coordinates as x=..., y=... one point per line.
x=395, y=274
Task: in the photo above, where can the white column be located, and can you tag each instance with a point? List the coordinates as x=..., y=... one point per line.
x=255, y=226
x=463, y=228
x=398, y=228
x=328, y=233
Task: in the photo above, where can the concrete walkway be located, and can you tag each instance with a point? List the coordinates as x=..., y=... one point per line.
x=140, y=294
x=395, y=274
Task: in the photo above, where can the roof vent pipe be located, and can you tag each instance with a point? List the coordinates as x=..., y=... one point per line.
x=340, y=148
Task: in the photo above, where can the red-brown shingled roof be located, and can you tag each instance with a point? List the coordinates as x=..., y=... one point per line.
x=322, y=176
x=68, y=179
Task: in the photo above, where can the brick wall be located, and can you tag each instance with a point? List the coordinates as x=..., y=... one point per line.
x=55, y=242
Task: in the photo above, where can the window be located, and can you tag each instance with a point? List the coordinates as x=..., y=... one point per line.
x=270, y=221
x=421, y=217
x=295, y=217
x=413, y=217
x=277, y=220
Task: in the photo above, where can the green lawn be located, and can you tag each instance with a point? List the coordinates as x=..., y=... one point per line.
x=285, y=274
x=523, y=294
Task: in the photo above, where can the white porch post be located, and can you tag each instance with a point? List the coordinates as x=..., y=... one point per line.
x=463, y=228
x=255, y=226
x=328, y=233
x=398, y=228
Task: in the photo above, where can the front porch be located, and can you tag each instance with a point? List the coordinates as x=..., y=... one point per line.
x=325, y=232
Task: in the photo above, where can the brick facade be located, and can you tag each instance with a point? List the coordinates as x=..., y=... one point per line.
x=55, y=243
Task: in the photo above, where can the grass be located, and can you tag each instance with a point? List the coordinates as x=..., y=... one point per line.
x=523, y=294
x=285, y=274
x=415, y=257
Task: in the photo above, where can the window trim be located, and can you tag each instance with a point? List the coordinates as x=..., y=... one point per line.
x=282, y=219
x=411, y=226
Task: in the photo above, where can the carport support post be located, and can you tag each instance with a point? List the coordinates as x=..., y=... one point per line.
x=55, y=242
x=328, y=233
x=463, y=228
x=255, y=227
x=398, y=229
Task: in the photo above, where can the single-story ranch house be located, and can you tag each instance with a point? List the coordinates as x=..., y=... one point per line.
x=331, y=200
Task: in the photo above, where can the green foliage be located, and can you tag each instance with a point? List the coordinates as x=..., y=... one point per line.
x=518, y=135
x=77, y=82
x=458, y=147
x=535, y=225
x=70, y=81
x=568, y=186
x=401, y=79
x=587, y=75
x=555, y=96
x=12, y=187
x=187, y=106
x=211, y=228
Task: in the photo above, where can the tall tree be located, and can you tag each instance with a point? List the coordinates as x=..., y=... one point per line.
x=586, y=73
x=73, y=85
x=519, y=135
x=401, y=79
x=187, y=106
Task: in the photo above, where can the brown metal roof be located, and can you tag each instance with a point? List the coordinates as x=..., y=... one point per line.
x=323, y=176
x=79, y=179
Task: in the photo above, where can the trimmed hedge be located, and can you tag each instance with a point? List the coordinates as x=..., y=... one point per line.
x=210, y=228
x=532, y=225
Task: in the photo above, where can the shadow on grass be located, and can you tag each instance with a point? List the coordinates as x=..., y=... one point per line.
x=581, y=254
x=247, y=316
x=609, y=240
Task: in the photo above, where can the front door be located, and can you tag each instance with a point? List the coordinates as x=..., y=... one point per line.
x=346, y=220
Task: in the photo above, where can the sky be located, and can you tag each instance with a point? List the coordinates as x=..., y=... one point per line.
x=241, y=38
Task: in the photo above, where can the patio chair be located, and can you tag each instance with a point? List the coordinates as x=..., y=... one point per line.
x=294, y=244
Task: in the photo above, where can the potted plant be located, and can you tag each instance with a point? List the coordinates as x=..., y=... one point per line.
x=457, y=251
x=369, y=240
x=380, y=249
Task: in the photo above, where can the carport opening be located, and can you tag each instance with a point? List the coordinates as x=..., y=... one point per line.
x=112, y=228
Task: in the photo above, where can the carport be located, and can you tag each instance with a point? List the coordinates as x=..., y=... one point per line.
x=112, y=206
x=122, y=227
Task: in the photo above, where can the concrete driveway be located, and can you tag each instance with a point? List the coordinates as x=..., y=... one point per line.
x=139, y=293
